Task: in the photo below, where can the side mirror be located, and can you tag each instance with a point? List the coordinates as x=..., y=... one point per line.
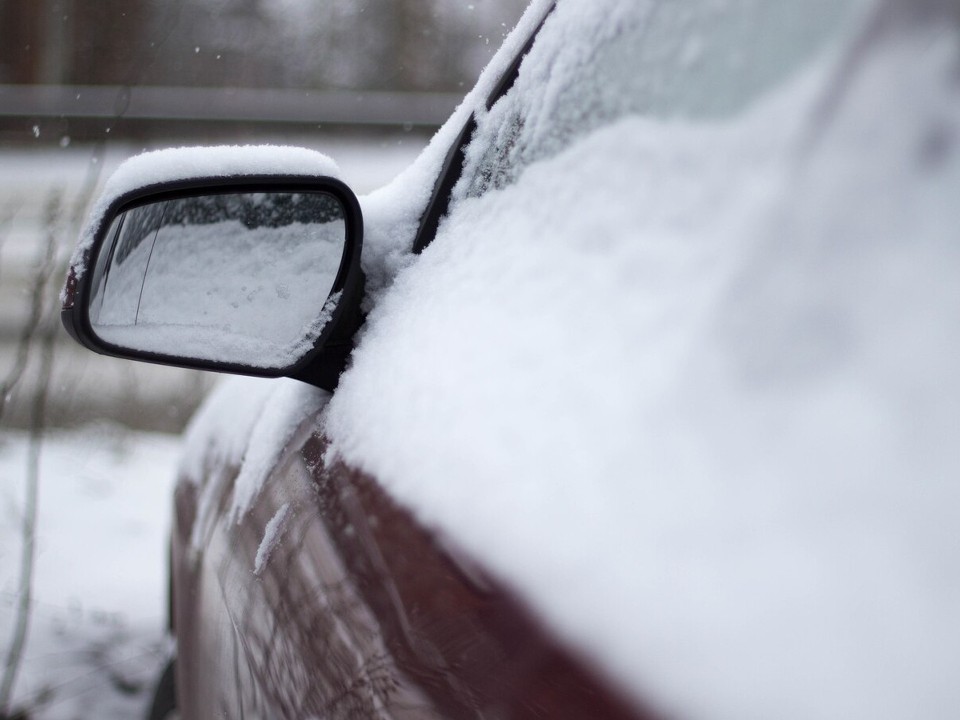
x=256, y=275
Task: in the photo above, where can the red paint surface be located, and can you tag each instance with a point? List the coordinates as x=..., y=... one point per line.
x=357, y=613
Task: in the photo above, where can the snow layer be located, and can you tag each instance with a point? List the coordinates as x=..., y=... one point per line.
x=242, y=427
x=159, y=166
x=96, y=642
x=272, y=534
x=700, y=408
x=391, y=214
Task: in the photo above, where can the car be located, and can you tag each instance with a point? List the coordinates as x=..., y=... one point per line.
x=634, y=396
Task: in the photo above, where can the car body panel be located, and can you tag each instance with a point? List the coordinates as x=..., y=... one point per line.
x=329, y=600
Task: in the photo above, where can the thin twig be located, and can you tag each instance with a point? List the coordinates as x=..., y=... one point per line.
x=37, y=422
x=10, y=210
x=32, y=326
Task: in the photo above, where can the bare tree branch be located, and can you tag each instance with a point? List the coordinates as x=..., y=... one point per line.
x=10, y=209
x=41, y=277
x=46, y=332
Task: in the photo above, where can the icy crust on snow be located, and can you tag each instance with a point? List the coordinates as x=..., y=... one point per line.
x=184, y=163
x=272, y=534
x=700, y=408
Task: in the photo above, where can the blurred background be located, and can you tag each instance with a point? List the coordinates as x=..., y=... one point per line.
x=89, y=445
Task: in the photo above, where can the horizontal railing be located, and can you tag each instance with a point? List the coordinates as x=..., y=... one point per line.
x=227, y=105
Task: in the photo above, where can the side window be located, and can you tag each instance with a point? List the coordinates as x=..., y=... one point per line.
x=684, y=61
x=453, y=166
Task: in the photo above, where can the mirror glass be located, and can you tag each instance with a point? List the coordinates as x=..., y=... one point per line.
x=239, y=278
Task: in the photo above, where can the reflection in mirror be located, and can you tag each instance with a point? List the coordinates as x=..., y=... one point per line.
x=240, y=278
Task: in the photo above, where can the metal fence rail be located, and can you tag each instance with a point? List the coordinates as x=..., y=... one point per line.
x=227, y=105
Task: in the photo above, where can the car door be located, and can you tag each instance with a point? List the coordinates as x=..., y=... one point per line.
x=329, y=600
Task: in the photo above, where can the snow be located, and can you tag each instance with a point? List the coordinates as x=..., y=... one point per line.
x=392, y=213
x=245, y=423
x=699, y=409
x=96, y=642
x=159, y=166
x=272, y=534
x=286, y=408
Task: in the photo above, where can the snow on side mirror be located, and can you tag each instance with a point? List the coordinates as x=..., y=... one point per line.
x=255, y=275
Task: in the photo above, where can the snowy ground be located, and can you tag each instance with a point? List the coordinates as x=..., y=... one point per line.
x=96, y=638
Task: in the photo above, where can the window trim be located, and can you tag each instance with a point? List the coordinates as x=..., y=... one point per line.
x=452, y=167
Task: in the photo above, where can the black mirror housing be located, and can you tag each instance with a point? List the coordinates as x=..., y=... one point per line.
x=161, y=260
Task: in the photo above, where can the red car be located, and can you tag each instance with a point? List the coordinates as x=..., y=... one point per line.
x=635, y=396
